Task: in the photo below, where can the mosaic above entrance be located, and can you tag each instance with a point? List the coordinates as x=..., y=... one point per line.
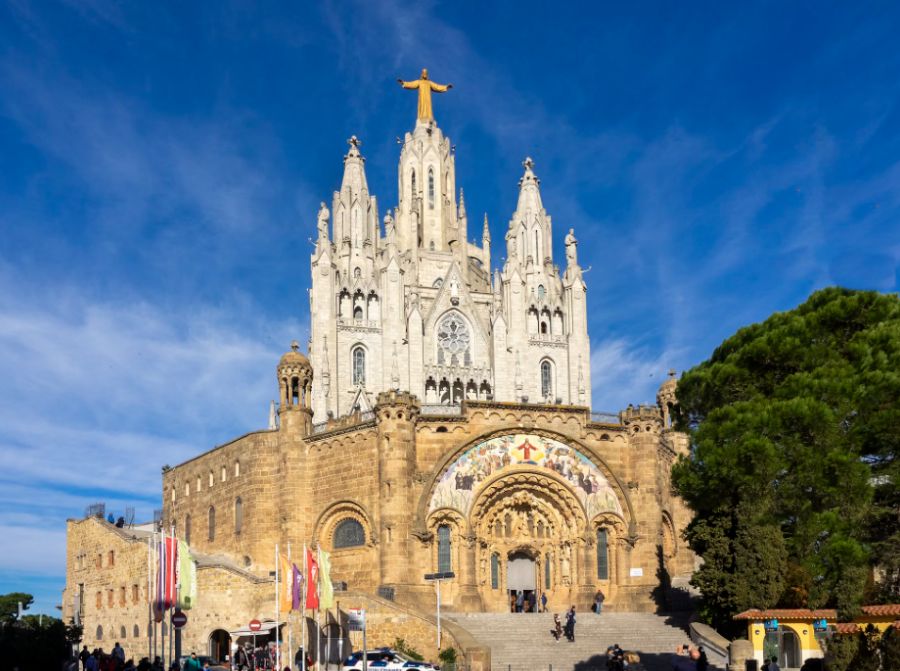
x=457, y=486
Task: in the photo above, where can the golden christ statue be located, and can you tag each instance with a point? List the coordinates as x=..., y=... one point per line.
x=425, y=86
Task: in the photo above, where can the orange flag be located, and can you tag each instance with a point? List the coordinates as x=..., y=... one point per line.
x=285, y=584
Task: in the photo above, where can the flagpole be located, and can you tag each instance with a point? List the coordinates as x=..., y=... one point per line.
x=319, y=608
x=149, y=599
x=163, y=578
x=290, y=628
x=175, y=585
x=303, y=611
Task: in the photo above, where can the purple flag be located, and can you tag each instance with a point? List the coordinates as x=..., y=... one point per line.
x=296, y=582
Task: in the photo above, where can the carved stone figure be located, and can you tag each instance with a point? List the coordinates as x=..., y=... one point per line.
x=571, y=248
x=323, y=221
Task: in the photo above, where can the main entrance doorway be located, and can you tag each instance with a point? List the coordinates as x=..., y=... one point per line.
x=521, y=582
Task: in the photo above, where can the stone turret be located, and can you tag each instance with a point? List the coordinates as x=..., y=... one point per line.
x=666, y=399
x=295, y=377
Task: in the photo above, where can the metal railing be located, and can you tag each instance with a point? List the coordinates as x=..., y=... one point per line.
x=441, y=409
x=602, y=417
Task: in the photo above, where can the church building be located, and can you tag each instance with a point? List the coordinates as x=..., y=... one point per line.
x=440, y=422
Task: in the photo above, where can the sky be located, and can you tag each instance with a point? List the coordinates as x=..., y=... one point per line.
x=161, y=166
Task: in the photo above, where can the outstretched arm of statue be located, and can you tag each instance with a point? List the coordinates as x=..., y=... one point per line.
x=440, y=88
x=409, y=85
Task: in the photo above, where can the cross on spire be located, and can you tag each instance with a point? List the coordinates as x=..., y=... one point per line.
x=528, y=163
x=354, y=142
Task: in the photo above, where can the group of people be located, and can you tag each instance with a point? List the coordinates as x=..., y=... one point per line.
x=519, y=602
x=568, y=630
x=114, y=660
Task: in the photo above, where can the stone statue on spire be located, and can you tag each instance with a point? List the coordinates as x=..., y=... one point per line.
x=425, y=87
x=571, y=248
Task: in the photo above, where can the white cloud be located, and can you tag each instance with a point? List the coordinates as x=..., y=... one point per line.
x=623, y=374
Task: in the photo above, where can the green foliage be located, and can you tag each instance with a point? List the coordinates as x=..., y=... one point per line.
x=448, y=656
x=9, y=605
x=400, y=645
x=795, y=426
x=890, y=649
x=840, y=653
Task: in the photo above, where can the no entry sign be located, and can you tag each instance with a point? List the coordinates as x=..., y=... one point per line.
x=179, y=619
x=255, y=625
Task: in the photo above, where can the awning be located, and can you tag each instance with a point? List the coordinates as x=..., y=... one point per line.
x=265, y=627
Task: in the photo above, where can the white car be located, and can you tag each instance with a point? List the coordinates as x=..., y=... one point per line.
x=385, y=658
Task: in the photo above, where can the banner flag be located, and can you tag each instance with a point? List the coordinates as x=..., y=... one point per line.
x=187, y=577
x=312, y=581
x=326, y=589
x=285, y=587
x=165, y=582
x=296, y=587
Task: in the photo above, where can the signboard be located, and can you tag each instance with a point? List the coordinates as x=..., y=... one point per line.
x=772, y=625
x=255, y=625
x=179, y=619
x=356, y=619
x=820, y=625
x=636, y=572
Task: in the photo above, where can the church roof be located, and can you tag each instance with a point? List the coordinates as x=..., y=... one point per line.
x=294, y=356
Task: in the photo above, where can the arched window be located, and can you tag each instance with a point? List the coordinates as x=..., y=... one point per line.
x=238, y=515
x=537, y=247
x=602, y=555
x=122, y=633
x=224, y=474
x=99, y=600
x=430, y=189
x=122, y=595
x=358, y=312
x=99, y=636
x=198, y=483
x=546, y=380
x=547, y=573
x=444, y=562
x=237, y=468
x=187, y=488
x=212, y=478
x=187, y=529
x=495, y=571
x=212, y=523
x=173, y=495
x=135, y=594
x=137, y=631
x=349, y=533
x=541, y=291
x=357, y=273
x=358, y=357
x=412, y=181
x=112, y=558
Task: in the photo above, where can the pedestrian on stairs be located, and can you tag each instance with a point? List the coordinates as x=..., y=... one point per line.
x=520, y=602
x=557, y=627
x=570, y=625
x=544, y=602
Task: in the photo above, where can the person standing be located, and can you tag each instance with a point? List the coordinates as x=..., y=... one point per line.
x=570, y=624
x=192, y=663
x=599, y=598
x=543, y=602
x=520, y=601
x=83, y=656
x=773, y=665
x=118, y=652
x=557, y=627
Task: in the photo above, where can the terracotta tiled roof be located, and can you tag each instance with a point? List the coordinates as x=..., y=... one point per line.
x=884, y=609
x=846, y=627
x=787, y=614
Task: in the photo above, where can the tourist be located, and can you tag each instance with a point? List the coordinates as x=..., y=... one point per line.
x=599, y=598
x=520, y=601
x=532, y=602
x=557, y=627
x=570, y=625
x=543, y=602
x=702, y=661
x=773, y=665
x=192, y=663
x=83, y=656
x=118, y=652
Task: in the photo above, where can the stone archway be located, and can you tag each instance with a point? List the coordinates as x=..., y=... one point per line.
x=523, y=514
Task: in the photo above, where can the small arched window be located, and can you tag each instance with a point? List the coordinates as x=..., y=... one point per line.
x=541, y=291
x=212, y=523
x=187, y=488
x=122, y=633
x=495, y=571
x=211, y=478
x=173, y=495
x=238, y=515
x=187, y=529
x=99, y=636
x=349, y=533
x=412, y=181
x=112, y=558
x=198, y=483
x=430, y=189
x=357, y=272
x=137, y=631
x=547, y=573
x=99, y=600
x=224, y=474
x=602, y=555
x=546, y=380
x=237, y=468
x=135, y=594
x=358, y=357
x=444, y=556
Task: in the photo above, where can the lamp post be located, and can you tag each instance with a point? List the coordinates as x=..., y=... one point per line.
x=436, y=579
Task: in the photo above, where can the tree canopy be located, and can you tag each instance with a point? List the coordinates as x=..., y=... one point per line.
x=795, y=425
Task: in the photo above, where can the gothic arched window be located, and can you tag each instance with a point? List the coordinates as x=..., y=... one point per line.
x=349, y=533
x=358, y=358
x=443, y=535
x=430, y=189
x=547, y=573
x=454, y=341
x=412, y=179
x=238, y=515
x=602, y=555
x=541, y=291
x=546, y=380
x=495, y=571
x=99, y=636
x=137, y=631
x=212, y=523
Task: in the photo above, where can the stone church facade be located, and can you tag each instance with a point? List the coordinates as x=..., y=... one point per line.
x=442, y=422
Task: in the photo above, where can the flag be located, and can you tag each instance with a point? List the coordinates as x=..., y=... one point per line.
x=326, y=590
x=285, y=586
x=296, y=587
x=187, y=577
x=167, y=555
x=312, y=581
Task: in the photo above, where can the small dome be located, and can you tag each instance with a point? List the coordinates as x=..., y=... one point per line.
x=294, y=358
x=670, y=383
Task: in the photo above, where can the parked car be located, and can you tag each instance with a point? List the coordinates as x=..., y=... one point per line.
x=385, y=658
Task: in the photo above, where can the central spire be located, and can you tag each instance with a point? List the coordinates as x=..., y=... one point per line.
x=425, y=87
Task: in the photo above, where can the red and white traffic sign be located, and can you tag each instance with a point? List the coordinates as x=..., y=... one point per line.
x=255, y=625
x=179, y=619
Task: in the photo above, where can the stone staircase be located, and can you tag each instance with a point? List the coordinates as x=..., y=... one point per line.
x=522, y=641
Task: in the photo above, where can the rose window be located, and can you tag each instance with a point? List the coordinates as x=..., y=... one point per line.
x=453, y=341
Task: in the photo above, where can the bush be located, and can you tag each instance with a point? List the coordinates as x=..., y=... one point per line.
x=400, y=645
x=448, y=656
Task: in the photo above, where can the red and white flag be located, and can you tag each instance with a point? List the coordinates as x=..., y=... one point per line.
x=166, y=580
x=312, y=583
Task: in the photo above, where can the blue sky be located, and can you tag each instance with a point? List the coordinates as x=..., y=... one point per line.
x=161, y=165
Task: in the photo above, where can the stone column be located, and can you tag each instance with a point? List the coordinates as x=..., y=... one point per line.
x=469, y=597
